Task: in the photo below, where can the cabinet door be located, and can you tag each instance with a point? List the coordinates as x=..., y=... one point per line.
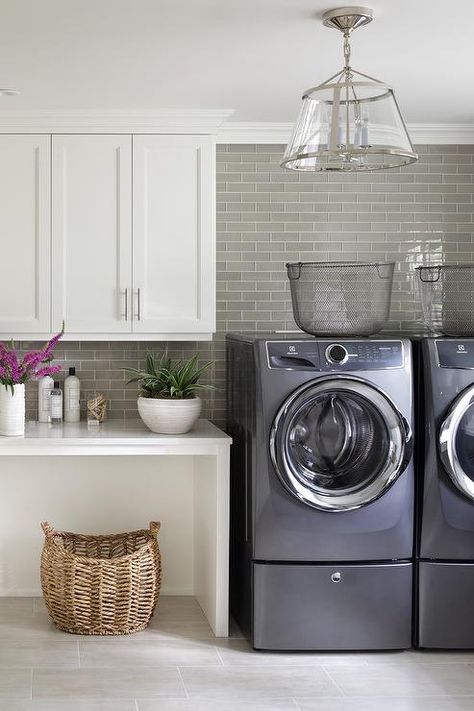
x=25, y=227
x=92, y=233
x=174, y=235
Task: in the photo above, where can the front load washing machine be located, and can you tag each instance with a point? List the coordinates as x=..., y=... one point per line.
x=446, y=500
x=321, y=491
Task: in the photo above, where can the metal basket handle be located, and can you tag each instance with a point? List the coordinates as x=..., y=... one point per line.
x=381, y=266
x=291, y=267
x=433, y=280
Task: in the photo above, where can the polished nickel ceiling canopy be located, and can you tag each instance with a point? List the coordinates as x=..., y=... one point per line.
x=350, y=122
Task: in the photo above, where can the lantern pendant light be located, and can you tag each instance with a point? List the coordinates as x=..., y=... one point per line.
x=351, y=122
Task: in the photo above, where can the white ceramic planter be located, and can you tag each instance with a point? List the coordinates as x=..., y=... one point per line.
x=169, y=416
x=12, y=411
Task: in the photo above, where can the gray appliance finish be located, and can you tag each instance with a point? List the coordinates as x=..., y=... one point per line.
x=445, y=547
x=322, y=490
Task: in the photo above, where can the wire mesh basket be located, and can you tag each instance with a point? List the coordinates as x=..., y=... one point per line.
x=447, y=298
x=341, y=298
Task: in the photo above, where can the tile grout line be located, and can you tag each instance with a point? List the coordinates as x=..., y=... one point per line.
x=219, y=655
x=344, y=695
x=182, y=682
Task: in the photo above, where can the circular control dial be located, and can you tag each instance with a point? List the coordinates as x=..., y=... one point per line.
x=335, y=353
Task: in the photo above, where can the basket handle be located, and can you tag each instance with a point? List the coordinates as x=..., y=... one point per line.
x=290, y=268
x=380, y=271
x=155, y=527
x=47, y=529
x=430, y=270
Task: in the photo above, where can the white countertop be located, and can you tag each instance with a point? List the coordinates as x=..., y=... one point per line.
x=111, y=438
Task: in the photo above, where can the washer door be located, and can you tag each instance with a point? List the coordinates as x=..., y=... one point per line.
x=456, y=442
x=339, y=444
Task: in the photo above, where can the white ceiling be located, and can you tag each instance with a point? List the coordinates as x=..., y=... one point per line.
x=254, y=56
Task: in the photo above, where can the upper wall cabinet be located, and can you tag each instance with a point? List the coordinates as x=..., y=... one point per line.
x=25, y=267
x=92, y=238
x=173, y=235
x=128, y=251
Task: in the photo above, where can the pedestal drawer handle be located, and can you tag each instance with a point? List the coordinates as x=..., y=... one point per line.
x=336, y=577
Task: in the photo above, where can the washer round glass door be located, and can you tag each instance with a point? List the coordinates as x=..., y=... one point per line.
x=456, y=442
x=339, y=443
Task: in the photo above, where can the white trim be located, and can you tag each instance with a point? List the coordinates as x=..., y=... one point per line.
x=279, y=133
x=205, y=121
x=441, y=133
x=257, y=132
x=114, y=121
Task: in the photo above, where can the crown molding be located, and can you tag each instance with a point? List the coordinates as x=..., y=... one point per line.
x=279, y=133
x=441, y=133
x=114, y=121
x=205, y=121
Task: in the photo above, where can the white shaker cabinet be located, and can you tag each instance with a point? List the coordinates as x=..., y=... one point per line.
x=173, y=235
x=92, y=240
x=112, y=234
x=25, y=267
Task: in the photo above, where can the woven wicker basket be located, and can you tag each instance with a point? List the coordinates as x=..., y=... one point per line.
x=101, y=584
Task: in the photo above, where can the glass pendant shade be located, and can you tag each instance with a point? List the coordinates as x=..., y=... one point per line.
x=351, y=122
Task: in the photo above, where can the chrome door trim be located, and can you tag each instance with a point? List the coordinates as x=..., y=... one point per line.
x=447, y=438
x=399, y=455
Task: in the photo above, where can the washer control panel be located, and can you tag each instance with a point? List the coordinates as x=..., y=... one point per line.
x=335, y=353
x=456, y=353
x=335, y=356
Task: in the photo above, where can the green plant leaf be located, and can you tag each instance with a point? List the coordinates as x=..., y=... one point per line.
x=165, y=378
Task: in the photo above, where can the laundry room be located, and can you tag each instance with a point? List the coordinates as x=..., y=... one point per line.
x=236, y=356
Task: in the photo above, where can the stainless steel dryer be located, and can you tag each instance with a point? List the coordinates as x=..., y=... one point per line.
x=446, y=502
x=322, y=491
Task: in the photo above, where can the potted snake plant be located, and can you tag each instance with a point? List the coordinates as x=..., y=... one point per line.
x=167, y=399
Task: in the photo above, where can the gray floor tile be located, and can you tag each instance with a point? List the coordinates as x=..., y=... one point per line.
x=39, y=605
x=251, y=683
x=96, y=684
x=238, y=652
x=61, y=705
x=39, y=653
x=15, y=683
x=161, y=627
x=422, y=656
x=216, y=705
x=34, y=627
x=427, y=703
x=141, y=671
x=12, y=607
x=147, y=653
x=402, y=679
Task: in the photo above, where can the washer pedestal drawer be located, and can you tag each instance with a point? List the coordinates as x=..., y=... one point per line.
x=332, y=607
x=446, y=604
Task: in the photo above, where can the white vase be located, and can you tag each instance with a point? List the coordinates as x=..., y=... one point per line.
x=167, y=416
x=12, y=411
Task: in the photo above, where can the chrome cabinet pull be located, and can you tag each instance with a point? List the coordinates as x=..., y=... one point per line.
x=336, y=577
x=126, y=303
x=139, y=310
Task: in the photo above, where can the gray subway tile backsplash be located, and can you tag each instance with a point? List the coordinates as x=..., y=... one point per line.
x=267, y=216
